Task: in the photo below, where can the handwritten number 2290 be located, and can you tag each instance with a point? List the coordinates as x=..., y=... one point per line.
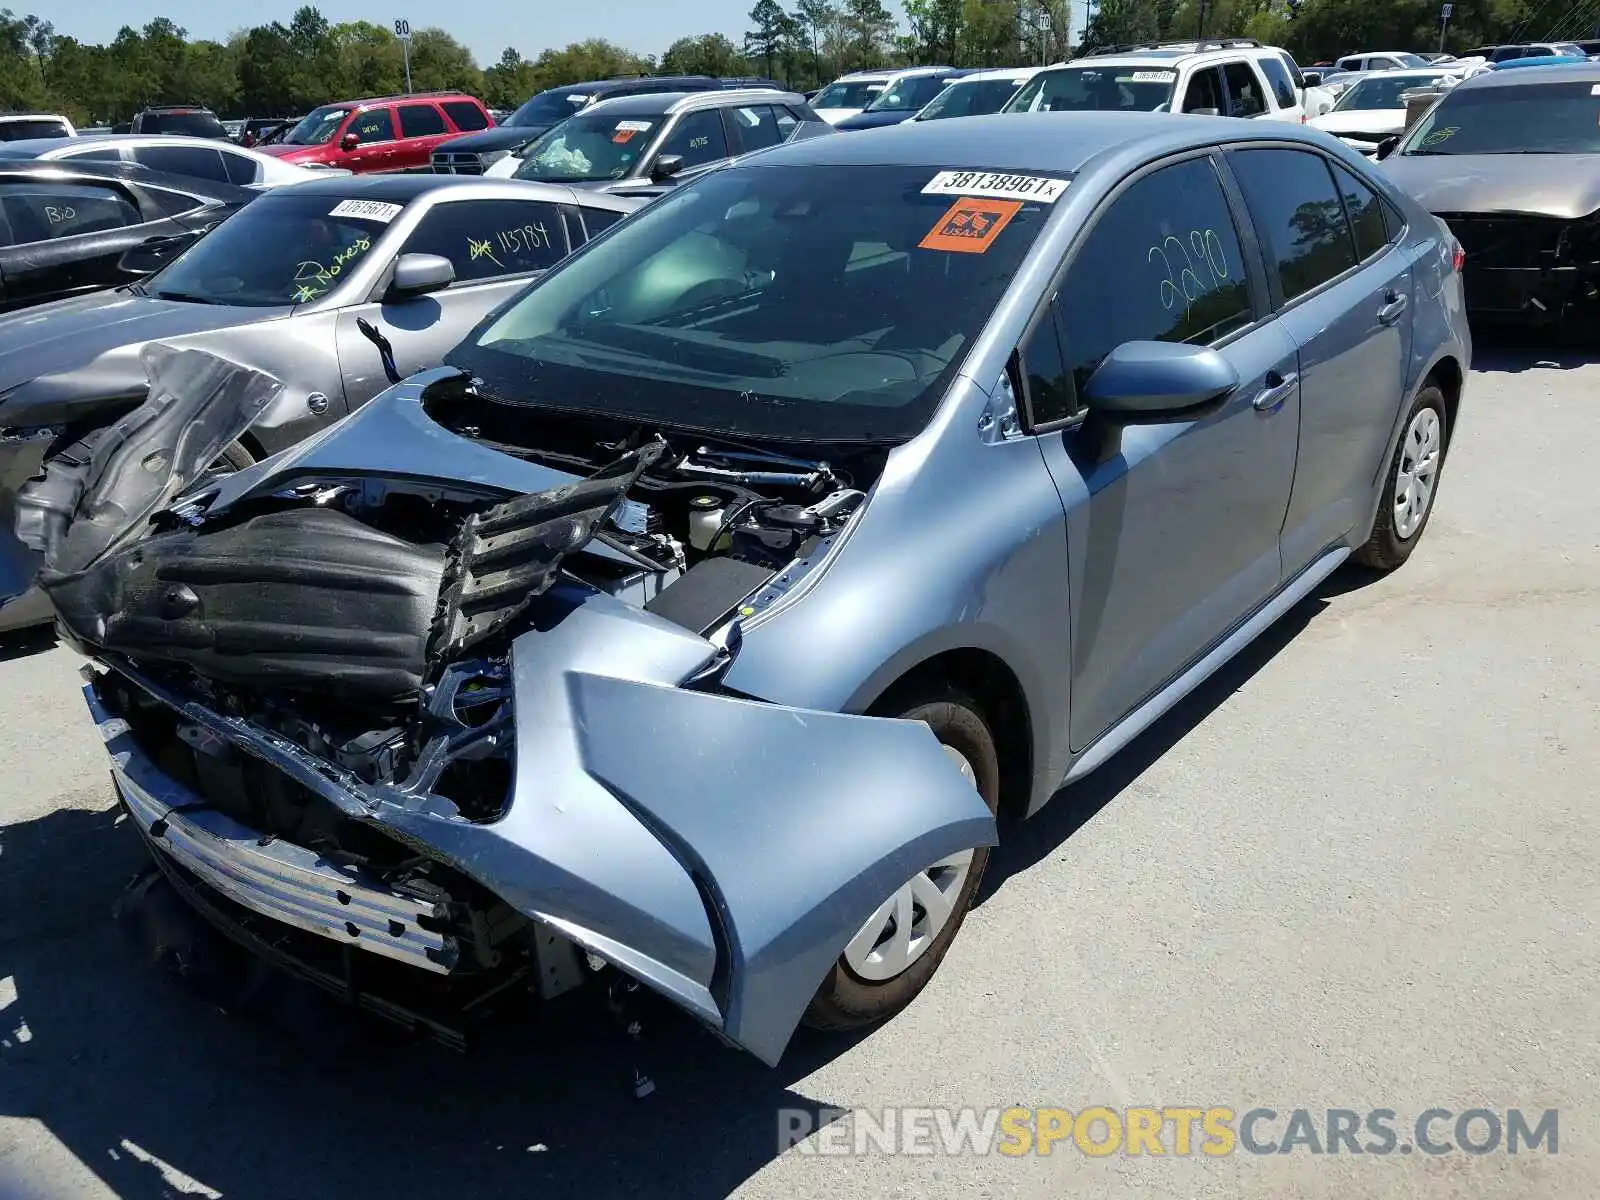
x=1179, y=260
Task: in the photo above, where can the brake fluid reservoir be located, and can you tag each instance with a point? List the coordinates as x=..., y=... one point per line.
x=705, y=518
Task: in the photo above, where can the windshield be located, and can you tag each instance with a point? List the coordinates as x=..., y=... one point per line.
x=1096, y=89
x=1383, y=91
x=317, y=128
x=547, y=108
x=590, y=147
x=281, y=249
x=1409, y=60
x=1568, y=49
x=971, y=99
x=907, y=95
x=785, y=303
x=855, y=94
x=1550, y=118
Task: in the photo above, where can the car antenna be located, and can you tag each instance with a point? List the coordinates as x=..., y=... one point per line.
x=385, y=350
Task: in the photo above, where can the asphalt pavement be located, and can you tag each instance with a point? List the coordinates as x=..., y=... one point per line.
x=1356, y=871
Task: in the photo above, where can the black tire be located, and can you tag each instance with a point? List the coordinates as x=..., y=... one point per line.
x=845, y=1000
x=234, y=457
x=1385, y=549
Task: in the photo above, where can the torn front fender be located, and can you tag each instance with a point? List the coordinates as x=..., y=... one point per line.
x=99, y=494
x=722, y=850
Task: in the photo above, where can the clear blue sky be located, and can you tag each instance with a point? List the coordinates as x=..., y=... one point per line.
x=485, y=26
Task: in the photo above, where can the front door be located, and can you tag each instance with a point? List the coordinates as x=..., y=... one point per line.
x=1172, y=528
x=1345, y=296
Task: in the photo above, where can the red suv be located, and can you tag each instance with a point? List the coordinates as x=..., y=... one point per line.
x=387, y=133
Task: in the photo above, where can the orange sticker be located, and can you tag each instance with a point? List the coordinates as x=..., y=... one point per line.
x=623, y=135
x=970, y=225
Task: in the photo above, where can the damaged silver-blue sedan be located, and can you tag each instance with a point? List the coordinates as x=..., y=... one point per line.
x=694, y=624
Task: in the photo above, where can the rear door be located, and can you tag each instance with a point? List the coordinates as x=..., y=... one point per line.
x=1247, y=90
x=1204, y=93
x=422, y=127
x=497, y=248
x=1343, y=290
x=1172, y=528
x=375, y=133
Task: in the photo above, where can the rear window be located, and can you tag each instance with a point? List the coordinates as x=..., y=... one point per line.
x=1097, y=89
x=192, y=124
x=16, y=131
x=467, y=115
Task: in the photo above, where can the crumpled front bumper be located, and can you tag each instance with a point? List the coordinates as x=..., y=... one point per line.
x=719, y=849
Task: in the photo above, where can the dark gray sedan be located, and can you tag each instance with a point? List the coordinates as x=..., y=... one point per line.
x=282, y=289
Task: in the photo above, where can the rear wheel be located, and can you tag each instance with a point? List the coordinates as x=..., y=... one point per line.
x=1411, y=486
x=899, y=947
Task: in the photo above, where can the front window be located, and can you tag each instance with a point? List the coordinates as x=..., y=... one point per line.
x=1382, y=91
x=783, y=303
x=852, y=94
x=281, y=249
x=971, y=99
x=316, y=129
x=590, y=147
x=547, y=108
x=1096, y=89
x=1551, y=118
x=907, y=95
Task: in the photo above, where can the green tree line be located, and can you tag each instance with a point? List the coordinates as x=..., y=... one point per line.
x=289, y=68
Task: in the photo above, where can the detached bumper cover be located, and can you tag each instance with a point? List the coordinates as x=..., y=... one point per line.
x=721, y=850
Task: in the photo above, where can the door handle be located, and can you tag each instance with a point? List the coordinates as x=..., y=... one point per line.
x=1270, y=399
x=1395, y=304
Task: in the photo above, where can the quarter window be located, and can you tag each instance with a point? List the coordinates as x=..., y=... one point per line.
x=487, y=239
x=1298, y=213
x=1044, y=371
x=1365, y=213
x=242, y=169
x=698, y=139
x=44, y=212
x=466, y=115
x=598, y=220
x=1171, y=242
x=1245, y=97
x=420, y=120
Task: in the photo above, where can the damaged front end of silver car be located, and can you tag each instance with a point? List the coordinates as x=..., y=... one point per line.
x=402, y=713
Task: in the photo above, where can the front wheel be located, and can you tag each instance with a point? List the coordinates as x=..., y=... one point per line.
x=896, y=951
x=1413, y=481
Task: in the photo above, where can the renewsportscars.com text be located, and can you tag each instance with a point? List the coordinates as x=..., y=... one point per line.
x=1100, y=1131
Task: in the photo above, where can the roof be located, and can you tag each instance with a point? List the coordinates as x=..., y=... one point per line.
x=27, y=116
x=658, y=103
x=992, y=73
x=131, y=172
x=447, y=94
x=893, y=72
x=397, y=189
x=1581, y=71
x=1058, y=142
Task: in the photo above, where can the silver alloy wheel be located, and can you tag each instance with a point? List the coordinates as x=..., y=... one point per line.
x=1418, y=473
x=908, y=922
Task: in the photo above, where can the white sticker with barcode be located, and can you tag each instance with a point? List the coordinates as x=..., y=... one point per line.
x=367, y=210
x=634, y=126
x=997, y=184
x=1154, y=76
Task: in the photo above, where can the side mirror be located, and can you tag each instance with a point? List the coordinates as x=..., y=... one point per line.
x=1150, y=382
x=349, y=142
x=419, y=274
x=1312, y=78
x=665, y=168
x=149, y=257
x=1387, y=146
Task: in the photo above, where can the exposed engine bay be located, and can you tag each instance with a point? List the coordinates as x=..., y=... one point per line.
x=310, y=682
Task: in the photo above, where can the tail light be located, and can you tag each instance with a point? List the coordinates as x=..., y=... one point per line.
x=1458, y=256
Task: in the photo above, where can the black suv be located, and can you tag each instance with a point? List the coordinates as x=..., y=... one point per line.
x=471, y=154
x=185, y=119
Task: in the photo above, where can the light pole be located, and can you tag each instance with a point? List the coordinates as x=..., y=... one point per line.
x=1444, y=23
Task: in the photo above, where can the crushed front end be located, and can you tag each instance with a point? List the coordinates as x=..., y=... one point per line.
x=433, y=725
x=1530, y=268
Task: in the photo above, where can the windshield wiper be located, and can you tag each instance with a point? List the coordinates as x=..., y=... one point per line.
x=186, y=297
